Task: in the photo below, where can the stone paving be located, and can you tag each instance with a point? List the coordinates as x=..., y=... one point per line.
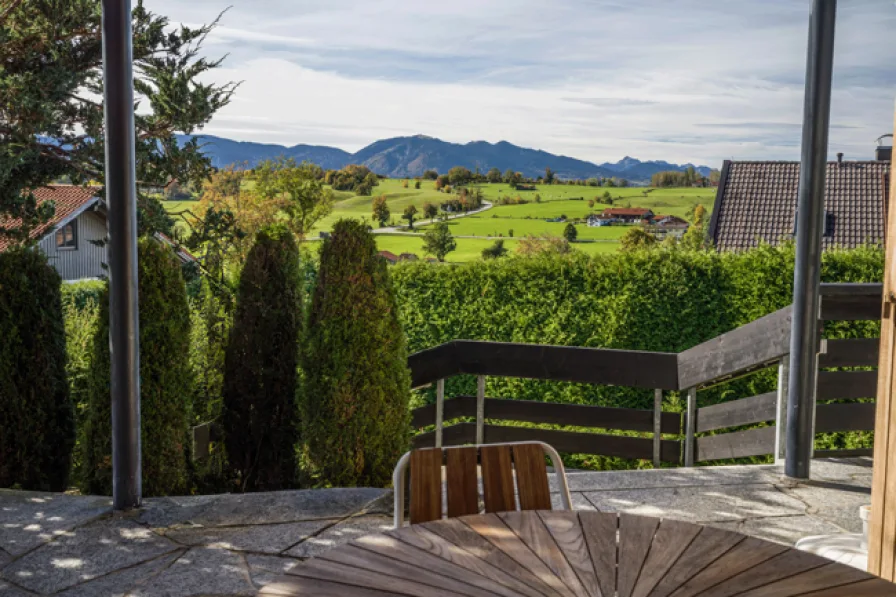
x=57, y=544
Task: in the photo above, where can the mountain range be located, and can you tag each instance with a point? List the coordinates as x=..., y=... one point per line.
x=402, y=157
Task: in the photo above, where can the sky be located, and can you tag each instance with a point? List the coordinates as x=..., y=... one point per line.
x=695, y=81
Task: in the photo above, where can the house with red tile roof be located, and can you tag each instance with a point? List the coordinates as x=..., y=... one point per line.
x=627, y=214
x=389, y=256
x=73, y=240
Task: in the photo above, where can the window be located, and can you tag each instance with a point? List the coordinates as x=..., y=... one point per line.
x=67, y=237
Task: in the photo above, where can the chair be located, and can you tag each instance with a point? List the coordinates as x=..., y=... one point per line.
x=497, y=462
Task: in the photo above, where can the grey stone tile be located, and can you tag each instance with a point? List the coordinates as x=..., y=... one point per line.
x=4, y=559
x=699, y=504
x=780, y=529
x=86, y=553
x=264, y=569
x=8, y=590
x=265, y=538
x=665, y=477
x=579, y=501
x=29, y=518
x=837, y=506
x=121, y=582
x=345, y=531
x=201, y=571
x=852, y=471
x=261, y=508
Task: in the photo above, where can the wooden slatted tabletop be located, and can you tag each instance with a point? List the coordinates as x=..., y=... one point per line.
x=569, y=554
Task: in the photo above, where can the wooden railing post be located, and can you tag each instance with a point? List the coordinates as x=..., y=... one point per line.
x=690, y=428
x=781, y=409
x=440, y=410
x=480, y=409
x=657, y=427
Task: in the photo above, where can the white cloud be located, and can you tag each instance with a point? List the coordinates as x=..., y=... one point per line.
x=593, y=79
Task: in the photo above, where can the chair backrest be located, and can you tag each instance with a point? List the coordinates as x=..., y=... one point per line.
x=462, y=464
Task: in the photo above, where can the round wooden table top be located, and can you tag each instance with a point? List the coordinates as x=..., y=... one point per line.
x=570, y=554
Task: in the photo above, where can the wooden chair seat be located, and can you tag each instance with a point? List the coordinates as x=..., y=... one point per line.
x=463, y=467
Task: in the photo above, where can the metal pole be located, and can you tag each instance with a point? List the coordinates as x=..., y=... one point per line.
x=440, y=411
x=810, y=227
x=690, y=428
x=480, y=409
x=781, y=409
x=121, y=198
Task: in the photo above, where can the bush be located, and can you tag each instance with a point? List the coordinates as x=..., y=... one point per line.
x=260, y=373
x=37, y=426
x=357, y=384
x=165, y=381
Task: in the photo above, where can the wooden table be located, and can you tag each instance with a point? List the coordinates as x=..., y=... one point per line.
x=567, y=554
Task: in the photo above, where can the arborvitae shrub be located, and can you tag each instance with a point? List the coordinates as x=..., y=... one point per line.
x=260, y=416
x=37, y=427
x=165, y=381
x=356, y=384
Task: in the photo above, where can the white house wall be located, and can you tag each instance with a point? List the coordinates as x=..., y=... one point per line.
x=85, y=262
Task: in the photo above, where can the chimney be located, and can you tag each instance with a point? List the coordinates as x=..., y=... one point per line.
x=840, y=158
x=883, y=153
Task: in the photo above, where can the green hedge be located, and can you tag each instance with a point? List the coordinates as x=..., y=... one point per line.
x=357, y=384
x=165, y=381
x=657, y=300
x=37, y=431
x=260, y=366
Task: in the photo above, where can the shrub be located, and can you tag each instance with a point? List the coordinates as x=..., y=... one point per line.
x=37, y=431
x=357, y=385
x=260, y=366
x=165, y=381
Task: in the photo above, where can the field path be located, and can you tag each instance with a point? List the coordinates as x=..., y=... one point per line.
x=400, y=229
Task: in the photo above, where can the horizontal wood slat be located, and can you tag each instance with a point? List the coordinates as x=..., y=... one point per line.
x=852, y=453
x=843, y=385
x=605, y=366
x=553, y=413
x=850, y=301
x=752, y=442
x=746, y=411
x=453, y=435
x=433, y=364
x=758, y=342
x=849, y=352
x=585, y=443
x=857, y=416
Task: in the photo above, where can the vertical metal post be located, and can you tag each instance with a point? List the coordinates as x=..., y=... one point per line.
x=480, y=409
x=657, y=427
x=810, y=227
x=781, y=409
x=690, y=428
x=121, y=199
x=440, y=410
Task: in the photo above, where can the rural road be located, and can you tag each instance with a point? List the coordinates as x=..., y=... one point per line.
x=400, y=229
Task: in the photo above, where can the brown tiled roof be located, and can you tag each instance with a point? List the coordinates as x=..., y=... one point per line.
x=388, y=256
x=756, y=201
x=68, y=198
x=625, y=211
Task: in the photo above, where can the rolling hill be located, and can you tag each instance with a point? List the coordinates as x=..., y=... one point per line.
x=402, y=157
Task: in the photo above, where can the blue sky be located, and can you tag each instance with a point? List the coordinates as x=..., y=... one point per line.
x=681, y=80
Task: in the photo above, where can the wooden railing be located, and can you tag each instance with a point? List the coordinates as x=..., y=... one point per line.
x=699, y=434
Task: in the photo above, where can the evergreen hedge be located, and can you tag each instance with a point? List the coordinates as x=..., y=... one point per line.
x=37, y=430
x=357, y=384
x=165, y=381
x=261, y=366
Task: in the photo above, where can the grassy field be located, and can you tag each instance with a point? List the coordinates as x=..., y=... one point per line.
x=522, y=220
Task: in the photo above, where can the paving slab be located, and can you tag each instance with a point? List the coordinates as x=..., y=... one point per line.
x=579, y=501
x=29, y=518
x=700, y=504
x=839, y=506
x=260, y=508
x=852, y=471
x=206, y=571
x=4, y=559
x=264, y=569
x=264, y=538
x=345, y=531
x=8, y=590
x=665, y=477
x=87, y=552
x=786, y=530
x=121, y=582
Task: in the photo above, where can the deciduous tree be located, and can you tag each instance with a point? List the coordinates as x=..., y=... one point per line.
x=299, y=191
x=409, y=213
x=570, y=233
x=439, y=241
x=495, y=251
x=430, y=211
x=381, y=211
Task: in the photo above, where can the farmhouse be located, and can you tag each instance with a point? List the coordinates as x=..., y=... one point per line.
x=629, y=215
x=388, y=256
x=757, y=201
x=595, y=221
x=73, y=240
x=662, y=226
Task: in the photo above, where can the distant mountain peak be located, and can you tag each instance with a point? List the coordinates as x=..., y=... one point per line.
x=404, y=157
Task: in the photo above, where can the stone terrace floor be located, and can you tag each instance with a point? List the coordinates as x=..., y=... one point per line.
x=55, y=544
